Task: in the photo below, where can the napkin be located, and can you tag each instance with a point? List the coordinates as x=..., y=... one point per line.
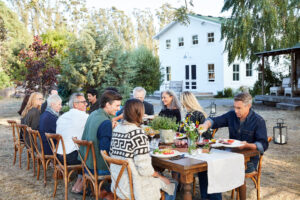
x=225, y=170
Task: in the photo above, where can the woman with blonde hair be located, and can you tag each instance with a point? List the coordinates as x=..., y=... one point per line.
x=31, y=113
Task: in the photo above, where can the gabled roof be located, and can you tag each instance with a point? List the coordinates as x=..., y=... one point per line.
x=216, y=20
x=279, y=51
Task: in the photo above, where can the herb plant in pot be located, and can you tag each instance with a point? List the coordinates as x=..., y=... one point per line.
x=167, y=128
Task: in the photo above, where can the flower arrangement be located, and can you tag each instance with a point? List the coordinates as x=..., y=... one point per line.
x=190, y=128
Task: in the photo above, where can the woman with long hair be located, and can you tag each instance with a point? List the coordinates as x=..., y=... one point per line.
x=130, y=143
x=31, y=114
x=170, y=105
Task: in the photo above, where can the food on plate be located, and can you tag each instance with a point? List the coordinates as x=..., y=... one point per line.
x=163, y=152
x=180, y=144
x=226, y=141
x=179, y=134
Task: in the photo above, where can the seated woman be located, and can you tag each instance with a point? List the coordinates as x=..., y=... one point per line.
x=195, y=112
x=48, y=120
x=31, y=113
x=170, y=105
x=147, y=183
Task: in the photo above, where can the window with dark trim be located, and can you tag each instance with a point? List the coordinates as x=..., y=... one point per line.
x=168, y=73
x=168, y=44
x=193, y=72
x=195, y=39
x=211, y=73
x=180, y=42
x=248, y=69
x=236, y=72
x=210, y=37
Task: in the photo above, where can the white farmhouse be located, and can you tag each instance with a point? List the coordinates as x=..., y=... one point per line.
x=194, y=54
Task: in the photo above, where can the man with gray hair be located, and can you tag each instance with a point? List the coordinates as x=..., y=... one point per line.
x=71, y=124
x=244, y=125
x=140, y=93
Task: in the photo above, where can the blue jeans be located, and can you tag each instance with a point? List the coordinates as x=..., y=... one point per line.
x=252, y=164
x=172, y=197
x=203, y=182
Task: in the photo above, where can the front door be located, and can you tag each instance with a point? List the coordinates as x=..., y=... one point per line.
x=190, y=77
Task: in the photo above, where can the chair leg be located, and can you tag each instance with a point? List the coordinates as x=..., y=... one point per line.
x=194, y=186
x=33, y=162
x=84, y=187
x=66, y=185
x=15, y=156
x=20, y=157
x=55, y=182
x=258, y=188
x=45, y=169
x=28, y=160
x=38, y=169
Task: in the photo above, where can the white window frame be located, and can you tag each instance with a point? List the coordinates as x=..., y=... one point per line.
x=168, y=73
x=210, y=37
x=249, y=70
x=168, y=44
x=236, y=72
x=196, y=40
x=211, y=80
x=180, y=42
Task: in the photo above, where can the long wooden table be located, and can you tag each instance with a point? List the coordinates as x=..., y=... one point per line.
x=187, y=167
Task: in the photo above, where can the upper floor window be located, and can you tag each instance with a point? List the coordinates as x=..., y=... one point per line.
x=195, y=39
x=180, y=42
x=210, y=37
x=236, y=72
x=211, y=73
x=168, y=44
x=248, y=69
x=168, y=73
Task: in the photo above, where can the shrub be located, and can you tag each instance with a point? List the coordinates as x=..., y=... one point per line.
x=219, y=94
x=164, y=123
x=228, y=92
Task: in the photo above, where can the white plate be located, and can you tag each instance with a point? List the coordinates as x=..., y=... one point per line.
x=176, y=153
x=235, y=144
x=181, y=137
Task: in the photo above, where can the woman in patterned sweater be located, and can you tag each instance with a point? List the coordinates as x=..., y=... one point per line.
x=130, y=143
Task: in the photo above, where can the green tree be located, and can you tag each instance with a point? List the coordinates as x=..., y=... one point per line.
x=147, y=68
x=165, y=15
x=256, y=26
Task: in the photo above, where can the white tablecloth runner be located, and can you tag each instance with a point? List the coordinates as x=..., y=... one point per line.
x=225, y=170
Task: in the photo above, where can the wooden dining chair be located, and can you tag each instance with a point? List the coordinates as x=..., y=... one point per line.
x=18, y=144
x=93, y=178
x=125, y=166
x=214, y=132
x=65, y=170
x=40, y=157
x=255, y=177
x=28, y=144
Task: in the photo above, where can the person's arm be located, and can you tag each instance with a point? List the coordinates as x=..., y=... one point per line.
x=104, y=135
x=35, y=119
x=151, y=109
x=215, y=122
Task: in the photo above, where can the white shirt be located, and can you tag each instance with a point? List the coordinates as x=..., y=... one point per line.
x=70, y=124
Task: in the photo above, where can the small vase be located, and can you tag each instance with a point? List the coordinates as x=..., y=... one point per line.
x=167, y=136
x=192, y=146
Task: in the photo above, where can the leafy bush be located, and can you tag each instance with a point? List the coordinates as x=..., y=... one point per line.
x=164, y=123
x=228, y=92
x=4, y=80
x=65, y=108
x=219, y=94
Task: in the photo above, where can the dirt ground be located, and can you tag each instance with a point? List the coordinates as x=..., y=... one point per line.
x=280, y=173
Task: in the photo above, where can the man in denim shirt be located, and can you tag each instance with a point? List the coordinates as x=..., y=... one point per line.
x=244, y=125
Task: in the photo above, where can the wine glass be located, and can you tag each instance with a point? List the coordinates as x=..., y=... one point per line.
x=201, y=130
x=151, y=134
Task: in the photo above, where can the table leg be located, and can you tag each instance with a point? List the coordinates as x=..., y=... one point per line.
x=187, y=180
x=242, y=191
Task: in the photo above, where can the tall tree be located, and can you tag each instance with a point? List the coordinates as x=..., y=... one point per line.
x=259, y=25
x=165, y=15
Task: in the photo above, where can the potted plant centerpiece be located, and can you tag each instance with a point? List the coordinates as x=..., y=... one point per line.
x=167, y=128
x=191, y=131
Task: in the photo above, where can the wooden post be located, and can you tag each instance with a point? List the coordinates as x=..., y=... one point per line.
x=263, y=76
x=293, y=73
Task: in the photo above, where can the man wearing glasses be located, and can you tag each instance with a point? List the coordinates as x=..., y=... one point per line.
x=71, y=124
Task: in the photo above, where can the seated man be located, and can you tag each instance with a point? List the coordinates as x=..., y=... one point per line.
x=53, y=90
x=139, y=93
x=98, y=129
x=71, y=124
x=93, y=101
x=244, y=125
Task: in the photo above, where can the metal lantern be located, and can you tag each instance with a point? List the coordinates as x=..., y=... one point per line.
x=280, y=135
x=213, y=109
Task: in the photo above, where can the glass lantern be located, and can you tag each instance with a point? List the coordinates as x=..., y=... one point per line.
x=213, y=109
x=280, y=135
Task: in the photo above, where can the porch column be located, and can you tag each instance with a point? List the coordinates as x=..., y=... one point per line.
x=263, y=76
x=293, y=73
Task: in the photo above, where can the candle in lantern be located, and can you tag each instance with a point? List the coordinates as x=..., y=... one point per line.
x=282, y=139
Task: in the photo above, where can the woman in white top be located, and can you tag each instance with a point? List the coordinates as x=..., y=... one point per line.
x=130, y=143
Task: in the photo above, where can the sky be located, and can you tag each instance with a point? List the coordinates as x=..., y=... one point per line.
x=203, y=7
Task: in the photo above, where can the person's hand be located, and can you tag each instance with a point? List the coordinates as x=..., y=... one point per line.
x=165, y=180
x=114, y=123
x=202, y=128
x=145, y=115
x=243, y=146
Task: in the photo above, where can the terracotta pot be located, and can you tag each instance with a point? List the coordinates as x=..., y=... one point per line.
x=205, y=150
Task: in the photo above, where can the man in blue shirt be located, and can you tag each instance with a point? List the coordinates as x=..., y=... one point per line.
x=244, y=125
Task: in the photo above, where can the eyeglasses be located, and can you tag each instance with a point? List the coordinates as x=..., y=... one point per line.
x=84, y=102
x=41, y=99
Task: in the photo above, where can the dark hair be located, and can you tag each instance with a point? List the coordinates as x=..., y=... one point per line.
x=134, y=111
x=108, y=97
x=112, y=88
x=92, y=91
